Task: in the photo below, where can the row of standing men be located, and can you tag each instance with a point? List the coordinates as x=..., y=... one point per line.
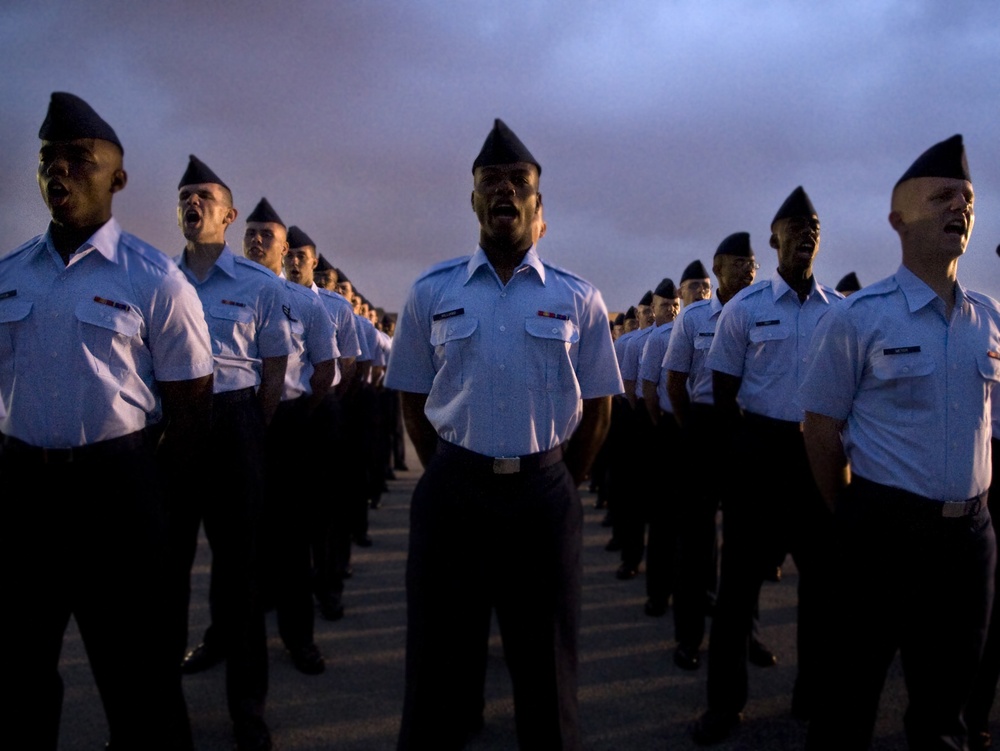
x=718, y=379
x=145, y=398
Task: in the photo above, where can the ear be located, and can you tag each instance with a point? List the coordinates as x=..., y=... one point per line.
x=774, y=241
x=230, y=217
x=118, y=180
x=472, y=201
x=896, y=220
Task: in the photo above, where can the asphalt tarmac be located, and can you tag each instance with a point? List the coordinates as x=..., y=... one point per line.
x=632, y=696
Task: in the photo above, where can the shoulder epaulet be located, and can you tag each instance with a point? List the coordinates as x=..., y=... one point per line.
x=437, y=268
x=881, y=287
x=981, y=298
x=247, y=263
x=561, y=270
x=298, y=289
x=22, y=247
x=754, y=289
x=696, y=304
x=154, y=256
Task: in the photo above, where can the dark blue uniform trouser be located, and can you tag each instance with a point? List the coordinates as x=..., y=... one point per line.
x=226, y=495
x=781, y=513
x=481, y=542
x=88, y=541
x=930, y=602
x=984, y=690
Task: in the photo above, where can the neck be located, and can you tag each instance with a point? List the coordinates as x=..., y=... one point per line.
x=940, y=277
x=201, y=257
x=504, y=259
x=800, y=280
x=67, y=239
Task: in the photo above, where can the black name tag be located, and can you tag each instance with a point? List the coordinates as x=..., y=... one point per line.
x=767, y=323
x=900, y=350
x=449, y=314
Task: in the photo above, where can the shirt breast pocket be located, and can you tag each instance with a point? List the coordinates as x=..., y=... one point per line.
x=453, y=340
x=109, y=334
x=766, y=346
x=904, y=379
x=703, y=343
x=548, y=362
x=12, y=312
x=232, y=328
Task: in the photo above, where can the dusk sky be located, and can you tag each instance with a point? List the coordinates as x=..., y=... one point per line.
x=661, y=127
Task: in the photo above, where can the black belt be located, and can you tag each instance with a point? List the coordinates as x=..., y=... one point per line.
x=501, y=465
x=22, y=451
x=234, y=397
x=919, y=503
x=788, y=426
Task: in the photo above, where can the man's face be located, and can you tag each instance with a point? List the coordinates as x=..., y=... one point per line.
x=796, y=238
x=78, y=178
x=693, y=290
x=935, y=214
x=645, y=315
x=346, y=289
x=204, y=211
x=631, y=324
x=734, y=273
x=665, y=309
x=300, y=265
x=505, y=198
x=326, y=279
x=266, y=244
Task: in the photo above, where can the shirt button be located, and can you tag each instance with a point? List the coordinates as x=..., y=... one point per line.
x=503, y=367
x=503, y=294
x=555, y=331
x=503, y=328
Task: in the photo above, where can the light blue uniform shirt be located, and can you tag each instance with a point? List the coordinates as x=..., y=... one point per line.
x=913, y=387
x=631, y=355
x=651, y=365
x=504, y=366
x=243, y=307
x=312, y=332
x=82, y=345
x=763, y=337
x=620, y=344
x=694, y=331
x=342, y=314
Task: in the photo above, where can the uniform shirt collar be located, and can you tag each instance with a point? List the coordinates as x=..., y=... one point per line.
x=918, y=294
x=530, y=260
x=104, y=241
x=226, y=262
x=780, y=288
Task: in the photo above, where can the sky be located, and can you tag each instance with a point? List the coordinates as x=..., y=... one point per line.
x=662, y=127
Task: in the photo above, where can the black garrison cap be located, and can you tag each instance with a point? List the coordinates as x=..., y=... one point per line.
x=503, y=147
x=263, y=212
x=694, y=270
x=619, y=319
x=849, y=283
x=198, y=172
x=797, y=204
x=737, y=244
x=647, y=299
x=69, y=118
x=944, y=159
x=299, y=239
x=321, y=263
x=631, y=313
x=666, y=288
x=343, y=277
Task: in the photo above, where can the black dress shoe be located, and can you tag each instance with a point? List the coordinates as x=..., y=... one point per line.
x=201, y=658
x=758, y=654
x=613, y=545
x=331, y=607
x=307, y=659
x=251, y=735
x=714, y=727
x=626, y=572
x=655, y=608
x=364, y=542
x=686, y=658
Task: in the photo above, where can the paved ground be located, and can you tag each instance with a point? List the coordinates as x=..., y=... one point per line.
x=632, y=696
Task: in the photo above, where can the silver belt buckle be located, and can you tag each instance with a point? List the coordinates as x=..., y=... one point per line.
x=506, y=465
x=958, y=509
